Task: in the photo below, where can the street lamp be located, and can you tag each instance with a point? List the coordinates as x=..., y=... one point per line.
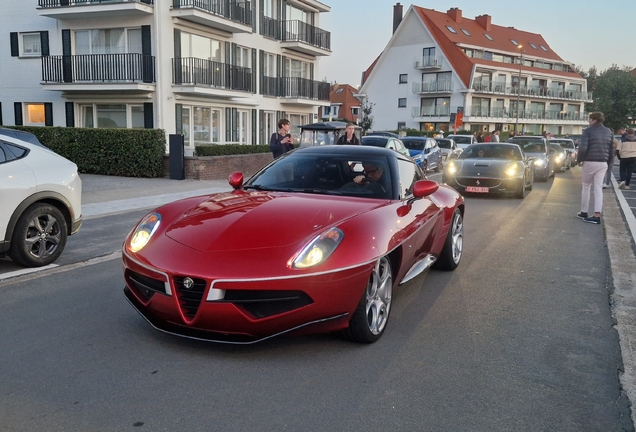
x=518, y=90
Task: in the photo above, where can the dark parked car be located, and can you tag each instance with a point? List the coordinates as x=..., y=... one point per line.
x=537, y=146
x=570, y=148
x=425, y=152
x=561, y=161
x=491, y=168
x=386, y=142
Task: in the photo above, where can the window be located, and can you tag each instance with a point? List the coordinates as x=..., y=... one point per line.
x=402, y=103
x=543, y=48
x=269, y=65
x=514, y=42
x=326, y=111
x=403, y=78
x=450, y=29
x=355, y=111
x=428, y=52
x=533, y=45
x=296, y=69
x=465, y=31
x=268, y=8
x=200, y=47
x=108, y=41
x=401, y=125
x=243, y=57
x=31, y=45
x=112, y=116
x=34, y=114
x=488, y=36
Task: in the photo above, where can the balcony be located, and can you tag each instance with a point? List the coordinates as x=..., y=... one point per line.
x=233, y=16
x=551, y=116
x=305, y=38
x=102, y=9
x=442, y=111
x=210, y=78
x=433, y=87
x=93, y=72
x=533, y=91
x=302, y=91
x=428, y=62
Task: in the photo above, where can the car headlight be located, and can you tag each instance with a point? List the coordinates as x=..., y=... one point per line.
x=319, y=249
x=451, y=168
x=511, y=171
x=143, y=232
x=539, y=162
x=417, y=157
x=559, y=157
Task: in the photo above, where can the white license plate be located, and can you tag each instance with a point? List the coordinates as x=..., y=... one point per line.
x=476, y=189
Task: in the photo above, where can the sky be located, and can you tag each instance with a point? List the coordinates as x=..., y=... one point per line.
x=584, y=32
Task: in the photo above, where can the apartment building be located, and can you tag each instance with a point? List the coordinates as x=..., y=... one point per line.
x=343, y=104
x=216, y=71
x=440, y=67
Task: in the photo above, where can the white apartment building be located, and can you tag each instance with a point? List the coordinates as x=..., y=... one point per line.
x=438, y=65
x=216, y=71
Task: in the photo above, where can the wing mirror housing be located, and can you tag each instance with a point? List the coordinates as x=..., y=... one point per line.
x=236, y=180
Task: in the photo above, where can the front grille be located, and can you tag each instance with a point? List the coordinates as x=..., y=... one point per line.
x=189, y=299
x=483, y=182
x=143, y=285
x=262, y=304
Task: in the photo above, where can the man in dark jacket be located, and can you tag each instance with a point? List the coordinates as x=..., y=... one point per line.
x=595, y=150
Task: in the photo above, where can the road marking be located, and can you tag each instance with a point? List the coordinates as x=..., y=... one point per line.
x=54, y=269
x=25, y=271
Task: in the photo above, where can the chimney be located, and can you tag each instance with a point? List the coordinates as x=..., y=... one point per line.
x=484, y=21
x=398, y=10
x=455, y=14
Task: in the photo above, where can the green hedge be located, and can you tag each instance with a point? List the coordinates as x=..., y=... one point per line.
x=229, y=149
x=117, y=152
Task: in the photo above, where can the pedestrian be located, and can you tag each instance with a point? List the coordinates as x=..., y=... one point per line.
x=627, y=156
x=610, y=164
x=480, y=137
x=595, y=151
x=495, y=136
x=488, y=137
x=349, y=136
x=440, y=134
x=281, y=142
x=511, y=134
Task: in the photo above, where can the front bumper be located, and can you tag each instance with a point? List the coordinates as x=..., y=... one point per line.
x=244, y=311
x=494, y=185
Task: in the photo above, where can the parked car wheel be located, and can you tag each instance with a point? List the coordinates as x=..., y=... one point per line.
x=452, y=253
x=372, y=314
x=39, y=236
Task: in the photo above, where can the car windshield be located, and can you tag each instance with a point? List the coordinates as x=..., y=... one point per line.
x=444, y=143
x=556, y=147
x=325, y=174
x=375, y=141
x=492, y=151
x=462, y=139
x=414, y=144
x=564, y=144
x=530, y=145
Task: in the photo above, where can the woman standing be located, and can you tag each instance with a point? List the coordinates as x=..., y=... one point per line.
x=281, y=142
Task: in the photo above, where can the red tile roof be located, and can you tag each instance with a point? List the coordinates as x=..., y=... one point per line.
x=502, y=37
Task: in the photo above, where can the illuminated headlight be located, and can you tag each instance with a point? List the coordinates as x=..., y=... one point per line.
x=143, y=232
x=511, y=171
x=539, y=162
x=319, y=249
x=451, y=168
x=559, y=157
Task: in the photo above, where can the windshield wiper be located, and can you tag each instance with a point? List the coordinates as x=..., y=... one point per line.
x=322, y=191
x=259, y=187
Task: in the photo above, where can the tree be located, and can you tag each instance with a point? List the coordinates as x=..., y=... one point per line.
x=614, y=94
x=366, y=121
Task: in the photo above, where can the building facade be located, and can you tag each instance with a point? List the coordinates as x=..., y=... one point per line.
x=216, y=71
x=343, y=104
x=441, y=70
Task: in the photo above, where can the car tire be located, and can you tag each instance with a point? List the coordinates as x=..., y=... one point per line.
x=438, y=168
x=520, y=193
x=451, y=254
x=39, y=236
x=372, y=314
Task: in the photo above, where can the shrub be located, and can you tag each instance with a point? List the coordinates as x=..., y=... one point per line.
x=117, y=152
x=229, y=149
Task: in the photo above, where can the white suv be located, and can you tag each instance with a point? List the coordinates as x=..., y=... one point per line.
x=41, y=195
x=463, y=141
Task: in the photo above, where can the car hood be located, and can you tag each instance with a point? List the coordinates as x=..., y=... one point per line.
x=483, y=166
x=413, y=153
x=252, y=220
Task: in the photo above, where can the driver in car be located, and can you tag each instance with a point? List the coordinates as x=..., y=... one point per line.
x=370, y=179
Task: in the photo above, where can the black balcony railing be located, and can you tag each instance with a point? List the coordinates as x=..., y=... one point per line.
x=300, y=31
x=303, y=88
x=536, y=91
x=270, y=27
x=196, y=71
x=235, y=10
x=269, y=86
x=98, y=68
x=58, y=3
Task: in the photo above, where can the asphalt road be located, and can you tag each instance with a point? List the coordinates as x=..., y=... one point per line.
x=518, y=338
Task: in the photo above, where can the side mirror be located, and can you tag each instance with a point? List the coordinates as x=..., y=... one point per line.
x=423, y=188
x=236, y=180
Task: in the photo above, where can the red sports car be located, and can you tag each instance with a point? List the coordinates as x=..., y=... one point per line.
x=316, y=241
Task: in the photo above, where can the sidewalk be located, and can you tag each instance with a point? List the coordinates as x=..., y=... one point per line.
x=102, y=195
